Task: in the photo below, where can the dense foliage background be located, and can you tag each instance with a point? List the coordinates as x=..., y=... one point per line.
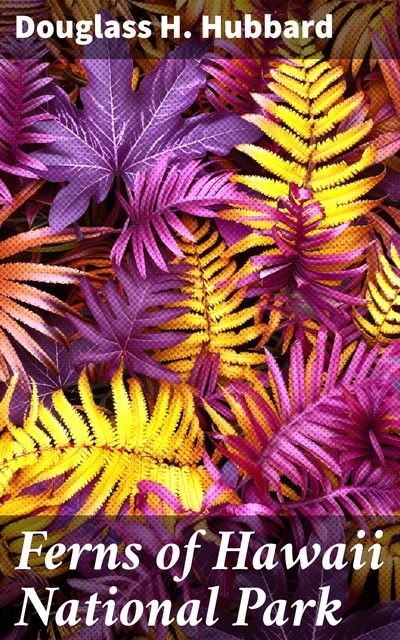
x=200, y=298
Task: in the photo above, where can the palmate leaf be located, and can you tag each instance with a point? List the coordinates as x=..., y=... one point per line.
x=131, y=130
x=157, y=197
x=146, y=52
x=218, y=321
x=382, y=324
x=90, y=459
x=128, y=320
x=22, y=302
x=309, y=127
x=296, y=431
x=63, y=375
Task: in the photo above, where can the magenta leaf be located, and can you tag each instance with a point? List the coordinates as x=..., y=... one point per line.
x=158, y=195
x=382, y=622
x=24, y=92
x=126, y=330
x=318, y=419
x=294, y=278
x=47, y=381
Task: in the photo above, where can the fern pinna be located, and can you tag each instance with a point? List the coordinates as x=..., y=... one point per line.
x=199, y=292
x=153, y=204
x=24, y=85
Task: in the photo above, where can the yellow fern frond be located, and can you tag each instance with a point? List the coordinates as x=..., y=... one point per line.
x=101, y=455
x=218, y=321
x=304, y=124
x=383, y=300
x=388, y=573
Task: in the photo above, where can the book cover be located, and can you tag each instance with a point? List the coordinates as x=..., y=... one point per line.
x=199, y=320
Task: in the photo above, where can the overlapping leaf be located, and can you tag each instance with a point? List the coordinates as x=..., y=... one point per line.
x=218, y=322
x=353, y=23
x=23, y=94
x=157, y=197
x=118, y=132
x=298, y=429
x=101, y=458
x=127, y=322
x=22, y=302
x=307, y=271
x=382, y=322
x=310, y=126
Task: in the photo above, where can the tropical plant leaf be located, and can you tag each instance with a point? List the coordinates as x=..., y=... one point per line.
x=22, y=303
x=232, y=81
x=22, y=98
x=101, y=455
x=382, y=324
x=157, y=197
x=361, y=496
x=387, y=576
x=278, y=586
x=20, y=198
x=63, y=375
x=375, y=418
x=131, y=131
x=353, y=22
x=92, y=257
x=218, y=322
x=297, y=429
x=204, y=381
x=127, y=322
x=308, y=271
x=310, y=127
x=237, y=70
